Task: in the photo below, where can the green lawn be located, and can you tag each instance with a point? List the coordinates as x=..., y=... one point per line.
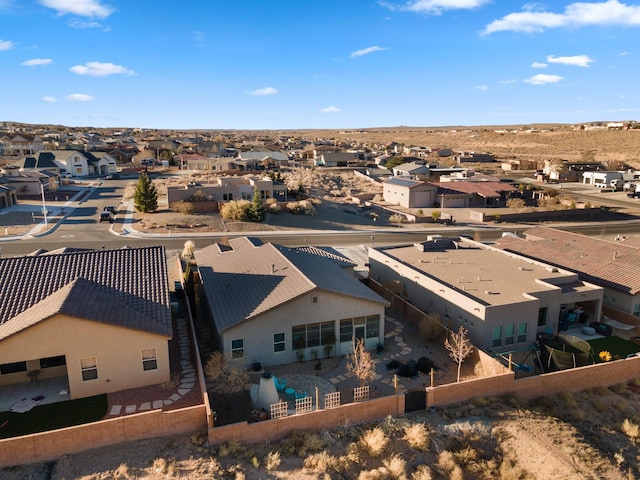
x=52, y=416
x=616, y=346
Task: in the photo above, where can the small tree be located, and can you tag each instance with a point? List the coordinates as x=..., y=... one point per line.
x=188, y=249
x=435, y=215
x=459, y=347
x=145, y=196
x=222, y=378
x=257, y=210
x=360, y=363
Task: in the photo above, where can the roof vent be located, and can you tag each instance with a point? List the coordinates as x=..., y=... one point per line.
x=491, y=292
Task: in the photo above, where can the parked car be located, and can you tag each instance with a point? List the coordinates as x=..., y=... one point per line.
x=113, y=176
x=106, y=216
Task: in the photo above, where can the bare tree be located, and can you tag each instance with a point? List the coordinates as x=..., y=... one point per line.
x=360, y=363
x=188, y=249
x=459, y=347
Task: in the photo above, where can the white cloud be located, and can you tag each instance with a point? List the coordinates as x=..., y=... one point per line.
x=79, y=97
x=543, y=79
x=81, y=24
x=261, y=92
x=34, y=62
x=481, y=87
x=625, y=53
x=82, y=8
x=577, y=14
x=5, y=45
x=576, y=60
x=330, y=109
x=435, y=7
x=538, y=65
x=508, y=82
x=99, y=69
x=47, y=99
x=366, y=51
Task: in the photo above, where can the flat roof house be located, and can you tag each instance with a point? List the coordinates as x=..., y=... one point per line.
x=275, y=305
x=100, y=318
x=504, y=300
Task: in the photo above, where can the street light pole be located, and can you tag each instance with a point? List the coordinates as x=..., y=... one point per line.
x=44, y=206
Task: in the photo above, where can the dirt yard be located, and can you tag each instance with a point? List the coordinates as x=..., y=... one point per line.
x=587, y=435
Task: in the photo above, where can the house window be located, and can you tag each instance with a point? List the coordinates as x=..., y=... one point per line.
x=522, y=332
x=278, y=342
x=149, y=359
x=51, y=362
x=346, y=330
x=313, y=335
x=299, y=337
x=496, y=336
x=328, y=333
x=542, y=317
x=89, y=368
x=373, y=326
x=15, y=367
x=314, y=299
x=237, y=348
x=509, y=332
x=227, y=197
x=636, y=310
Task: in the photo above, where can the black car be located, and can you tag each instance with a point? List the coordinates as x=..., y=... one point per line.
x=106, y=216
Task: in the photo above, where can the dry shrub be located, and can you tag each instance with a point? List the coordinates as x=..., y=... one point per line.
x=397, y=218
x=631, y=429
x=446, y=462
x=164, y=466
x=431, y=328
x=301, y=443
x=374, y=441
x=509, y=470
x=274, y=208
x=234, y=449
x=272, y=461
x=568, y=399
x=396, y=466
x=417, y=436
x=423, y=472
x=599, y=405
x=320, y=462
x=619, y=388
x=235, y=210
x=186, y=208
x=122, y=472
x=393, y=425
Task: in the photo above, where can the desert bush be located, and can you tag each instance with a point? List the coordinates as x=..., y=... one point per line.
x=237, y=210
x=568, y=399
x=233, y=448
x=320, y=462
x=374, y=441
x=397, y=218
x=631, y=429
x=393, y=426
x=122, y=472
x=417, y=436
x=396, y=466
x=423, y=472
x=186, y=208
x=274, y=208
x=509, y=470
x=165, y=466
x=425, y=364
x=431, y=328
x=272, y=461
x=447, y=463
x=301, y=444
x=515, y=203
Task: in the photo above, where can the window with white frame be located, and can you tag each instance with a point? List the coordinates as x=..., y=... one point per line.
x=278, y=342
x=346, y=330
x=149, y=359
x=89, y=368
x=237, y=348
x=312, y=334
x=373, y=326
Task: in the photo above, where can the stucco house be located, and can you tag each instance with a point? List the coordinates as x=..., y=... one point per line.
x=275, y=305
x=75, y=162
x=409, y=193
x=416, y=170
x=503, y=299
x=609, y=264
x=227, y=189
x=99, y=318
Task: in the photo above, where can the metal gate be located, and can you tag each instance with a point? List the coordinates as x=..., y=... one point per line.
x=415, y=400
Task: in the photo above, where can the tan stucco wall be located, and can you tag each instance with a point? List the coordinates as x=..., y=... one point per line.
x=118, y=352
x=258, y=333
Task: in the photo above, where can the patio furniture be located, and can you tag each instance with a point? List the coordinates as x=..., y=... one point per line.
x=290, y=392
x=280, y=383
x=300, y=395
x=33, y=376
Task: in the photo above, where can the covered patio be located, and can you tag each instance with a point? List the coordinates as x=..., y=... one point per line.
x=24, y=395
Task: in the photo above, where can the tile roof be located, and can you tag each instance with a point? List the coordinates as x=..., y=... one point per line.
x=403, y=181
x=126, y=287
x=252, y=278
x=612, y=264
x=484, y=189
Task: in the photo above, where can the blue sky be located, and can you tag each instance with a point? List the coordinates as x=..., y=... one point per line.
x=291, y=64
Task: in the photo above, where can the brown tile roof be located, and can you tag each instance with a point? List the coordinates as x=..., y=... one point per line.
x=484, y=189
x=611, y=264
x=126, y=287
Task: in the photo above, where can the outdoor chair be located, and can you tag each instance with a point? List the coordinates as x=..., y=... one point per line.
x=280, y=383
x=300, y=395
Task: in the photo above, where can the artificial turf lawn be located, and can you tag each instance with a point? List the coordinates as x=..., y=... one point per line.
x=616, y=346
x=52, y=416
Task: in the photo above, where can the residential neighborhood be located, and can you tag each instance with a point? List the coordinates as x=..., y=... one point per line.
x=138, y=326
